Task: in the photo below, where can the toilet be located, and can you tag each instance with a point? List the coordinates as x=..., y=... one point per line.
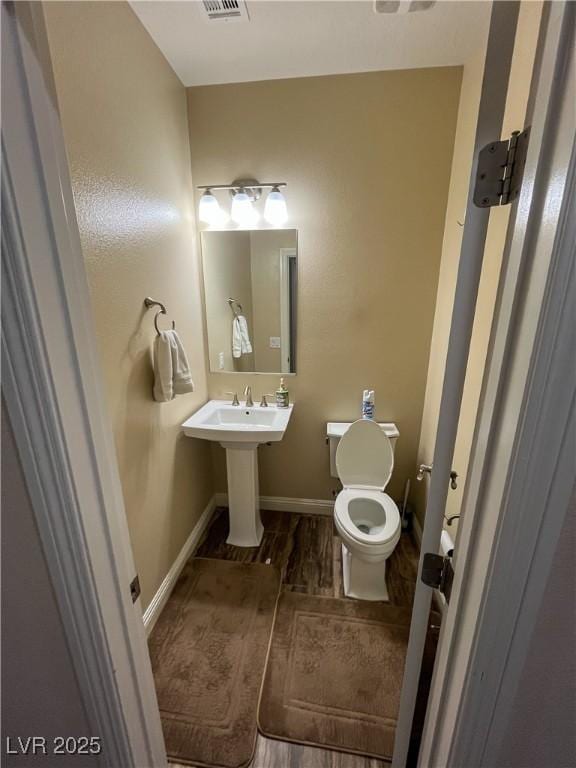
x=366, y=518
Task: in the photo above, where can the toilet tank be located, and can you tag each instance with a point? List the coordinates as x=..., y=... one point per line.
x=335, y=430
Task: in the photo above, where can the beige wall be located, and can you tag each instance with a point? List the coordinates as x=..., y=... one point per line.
x=227, y=274
x=124, y=118
x=367, y=159
x=517, y=98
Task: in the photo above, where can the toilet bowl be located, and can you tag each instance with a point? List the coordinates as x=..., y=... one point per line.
x=366, y=518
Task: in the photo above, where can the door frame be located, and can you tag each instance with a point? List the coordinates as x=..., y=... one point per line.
x=285, y=325
x=52, y=389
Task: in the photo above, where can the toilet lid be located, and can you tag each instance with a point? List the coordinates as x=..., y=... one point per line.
x=364, y=457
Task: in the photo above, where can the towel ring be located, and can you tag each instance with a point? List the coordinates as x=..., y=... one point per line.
x=156, y=316
x=231, y=303
x=148, y=303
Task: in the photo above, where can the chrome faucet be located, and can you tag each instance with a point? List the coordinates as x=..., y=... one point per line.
x=248, y=396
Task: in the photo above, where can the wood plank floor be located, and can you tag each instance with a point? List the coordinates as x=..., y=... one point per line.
x=281, y=754
x=308, y=551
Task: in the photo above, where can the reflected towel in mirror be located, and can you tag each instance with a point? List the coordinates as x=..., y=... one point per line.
x=240, y=337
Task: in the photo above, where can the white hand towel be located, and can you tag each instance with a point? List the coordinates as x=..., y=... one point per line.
x=163, y=383
x=236, y=338
x=181, y=375
x=245, y=336
x=171, y=370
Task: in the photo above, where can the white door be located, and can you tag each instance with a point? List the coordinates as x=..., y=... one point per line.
x=492, y=104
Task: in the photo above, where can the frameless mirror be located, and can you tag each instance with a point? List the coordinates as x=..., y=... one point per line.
x=250, y=281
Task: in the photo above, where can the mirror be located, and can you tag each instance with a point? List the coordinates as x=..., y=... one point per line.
x=250, y=279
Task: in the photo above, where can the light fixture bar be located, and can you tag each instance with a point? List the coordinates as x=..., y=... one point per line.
x=258, y=184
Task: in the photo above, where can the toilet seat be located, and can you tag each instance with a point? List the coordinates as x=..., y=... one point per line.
x=388, y=528
x=366, y=517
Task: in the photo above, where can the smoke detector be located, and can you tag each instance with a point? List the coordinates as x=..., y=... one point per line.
x=402, y=6
x=225, y=10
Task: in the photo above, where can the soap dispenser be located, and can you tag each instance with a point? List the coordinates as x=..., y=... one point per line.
x=282, y=399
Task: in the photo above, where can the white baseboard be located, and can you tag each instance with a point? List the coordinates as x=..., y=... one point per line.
x=158, y=602
x=286, y=504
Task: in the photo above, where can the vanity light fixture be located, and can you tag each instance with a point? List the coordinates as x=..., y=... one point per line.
x=209, y=210
x=243, y=212
x=244, y=193
x=275, y=210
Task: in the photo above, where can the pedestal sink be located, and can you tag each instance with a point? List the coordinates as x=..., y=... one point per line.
x=240, y=429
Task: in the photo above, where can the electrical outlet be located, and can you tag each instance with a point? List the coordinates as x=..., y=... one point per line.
x=274, y=342
x=221, y=360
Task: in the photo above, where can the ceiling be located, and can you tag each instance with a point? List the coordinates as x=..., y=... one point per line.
x=296, y=38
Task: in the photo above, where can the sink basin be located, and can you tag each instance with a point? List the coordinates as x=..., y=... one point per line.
x=225, y=423
x=240, y=430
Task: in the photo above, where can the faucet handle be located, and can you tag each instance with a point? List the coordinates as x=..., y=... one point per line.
x=235, y=400
x=264, y=402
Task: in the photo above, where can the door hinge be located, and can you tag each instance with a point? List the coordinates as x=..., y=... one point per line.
x=437, y=572
x=135, y=588
x=500, y=170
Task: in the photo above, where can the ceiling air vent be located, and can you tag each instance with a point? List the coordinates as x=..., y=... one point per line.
x=225, y=10
x=402, y=6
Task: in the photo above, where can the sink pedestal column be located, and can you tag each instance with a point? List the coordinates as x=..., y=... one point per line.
x=246, y=528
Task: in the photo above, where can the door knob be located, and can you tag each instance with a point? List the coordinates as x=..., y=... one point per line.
x=426, y=469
